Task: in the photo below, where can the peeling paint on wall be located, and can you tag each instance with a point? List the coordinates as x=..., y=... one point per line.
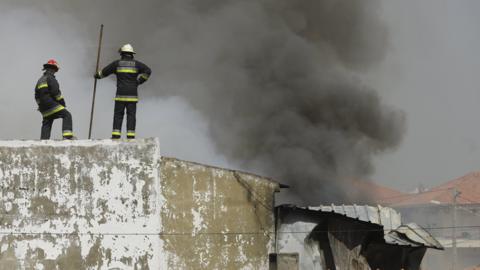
x=223, y=217
x=119, y=205
x=79, y=205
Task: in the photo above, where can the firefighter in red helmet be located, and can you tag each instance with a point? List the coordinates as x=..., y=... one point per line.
x=51, y=103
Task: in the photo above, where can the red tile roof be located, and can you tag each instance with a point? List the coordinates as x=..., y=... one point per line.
x=468, y=186
x=377, y=193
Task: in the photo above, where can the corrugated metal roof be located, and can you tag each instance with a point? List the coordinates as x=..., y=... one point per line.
x=394, y=232
x=416, y=236
x=385, y=216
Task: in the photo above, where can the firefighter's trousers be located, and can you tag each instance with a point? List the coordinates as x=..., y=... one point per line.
x=120, y=108
x=66, y=124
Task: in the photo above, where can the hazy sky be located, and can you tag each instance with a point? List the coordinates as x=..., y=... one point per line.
x=432, y=73
x=429, y=71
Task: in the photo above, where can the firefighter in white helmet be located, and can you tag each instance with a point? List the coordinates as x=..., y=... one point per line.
x=130, y=73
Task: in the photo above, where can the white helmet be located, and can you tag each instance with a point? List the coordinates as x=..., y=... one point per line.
x=127, y=48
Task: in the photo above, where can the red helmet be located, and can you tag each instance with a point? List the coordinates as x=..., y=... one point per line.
x=52, y=63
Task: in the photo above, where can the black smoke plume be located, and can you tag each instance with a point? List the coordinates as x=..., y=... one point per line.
x=277, y=80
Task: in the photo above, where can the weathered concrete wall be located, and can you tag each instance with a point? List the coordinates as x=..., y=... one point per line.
x=79, y=205
x=118, y=205
x=309, y=251
x=216, y=218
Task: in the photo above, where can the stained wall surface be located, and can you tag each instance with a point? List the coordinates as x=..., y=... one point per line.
x=119, y=205
x=224, y=217
x=79, y=204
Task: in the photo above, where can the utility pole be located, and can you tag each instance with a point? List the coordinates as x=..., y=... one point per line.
x=455, y=194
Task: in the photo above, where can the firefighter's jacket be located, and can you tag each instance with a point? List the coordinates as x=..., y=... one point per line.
x=130, y=73
x=48, y=95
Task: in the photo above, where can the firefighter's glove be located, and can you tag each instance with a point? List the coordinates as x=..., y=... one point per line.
x=62, y=102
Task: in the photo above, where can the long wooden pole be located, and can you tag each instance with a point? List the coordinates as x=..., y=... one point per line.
x=95, y=81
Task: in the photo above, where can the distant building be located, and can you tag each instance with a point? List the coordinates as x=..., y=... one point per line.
x=433, y=210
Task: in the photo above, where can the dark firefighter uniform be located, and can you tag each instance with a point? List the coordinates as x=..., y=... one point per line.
x=51, y=103
x=130, y=73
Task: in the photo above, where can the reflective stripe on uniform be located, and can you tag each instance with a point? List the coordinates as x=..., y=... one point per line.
x=130, y=133
x=126, y=98
x=127, y=70
x=67, y=133
x=60, y=97
x=144, y=76
x=116, y=132
x=43, y=85
x=53, y=111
